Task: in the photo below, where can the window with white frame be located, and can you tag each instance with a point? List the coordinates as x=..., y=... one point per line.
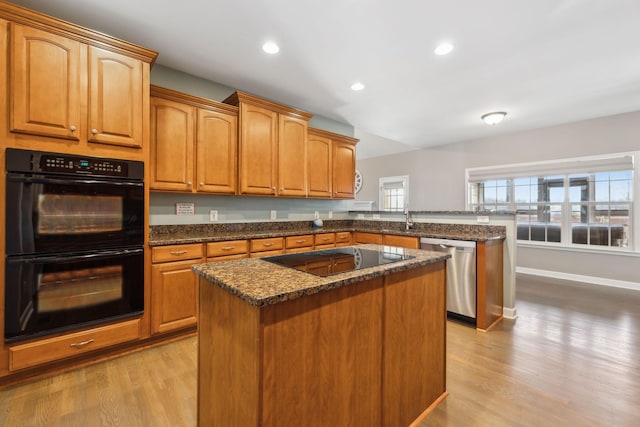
x=394, y=193
x=587, y=201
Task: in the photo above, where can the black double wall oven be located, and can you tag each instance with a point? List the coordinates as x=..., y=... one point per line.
x=74, y=242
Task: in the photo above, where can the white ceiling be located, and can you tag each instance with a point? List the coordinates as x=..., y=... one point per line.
x=545, y=62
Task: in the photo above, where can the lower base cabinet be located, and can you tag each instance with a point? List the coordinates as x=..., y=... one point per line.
x=174, y=287
x=29, y=355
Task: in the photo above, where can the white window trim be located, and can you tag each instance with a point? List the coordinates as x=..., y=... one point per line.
x=612, y=161
x=392, y=179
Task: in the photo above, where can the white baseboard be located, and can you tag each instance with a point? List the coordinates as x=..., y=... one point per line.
x=509, y=313
x=601, y=281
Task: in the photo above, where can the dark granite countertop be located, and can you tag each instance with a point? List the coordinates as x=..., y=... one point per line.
x=261, y=283
x=201, y=233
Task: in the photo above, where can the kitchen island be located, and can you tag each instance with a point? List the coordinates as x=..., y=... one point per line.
x=279, y=346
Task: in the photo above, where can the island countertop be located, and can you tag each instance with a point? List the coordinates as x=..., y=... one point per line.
x=260, y=282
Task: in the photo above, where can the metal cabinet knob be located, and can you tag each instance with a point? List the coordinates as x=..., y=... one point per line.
x=73, y=128
x=94, y=131
x=189, y=183
x=202, y=184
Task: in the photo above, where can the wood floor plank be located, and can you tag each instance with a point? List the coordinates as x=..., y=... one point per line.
x=572, y=358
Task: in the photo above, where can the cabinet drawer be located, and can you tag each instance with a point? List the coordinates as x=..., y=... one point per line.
x=51, y=349
x=231, y=247
x=177, y=252
x=361, y=237
x=401, y=241
x=343, y=238
x=305, y=241
x=325, y=239
x=268, y=244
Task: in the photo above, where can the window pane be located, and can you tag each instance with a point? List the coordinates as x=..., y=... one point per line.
x=620, y=190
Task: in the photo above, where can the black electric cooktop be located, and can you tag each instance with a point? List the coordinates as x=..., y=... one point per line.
x=340, y=260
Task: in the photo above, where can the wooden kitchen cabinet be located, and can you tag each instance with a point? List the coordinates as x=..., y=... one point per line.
x=193, y=143
x=45, y=83
x=410, y=242
x=325, y=241
x=330, y=164
x=319, y=164
x=344, y=238
x=344, y=168
x=174, y=287
x=362, y=237
x=69, y=90
x=266, y=247
x=272, y=147
x=227, y=250
x=301, y=243
x=31, y=354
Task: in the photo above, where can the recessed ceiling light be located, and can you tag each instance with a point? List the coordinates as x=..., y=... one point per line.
x=271, y=47
x=443, y=48
x=493, y=118
x=357, y=86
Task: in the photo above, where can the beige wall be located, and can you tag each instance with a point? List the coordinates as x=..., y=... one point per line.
x=436, y=182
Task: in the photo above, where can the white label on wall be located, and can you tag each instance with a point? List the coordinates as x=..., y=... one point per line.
x=483, y=219
x=185, y=208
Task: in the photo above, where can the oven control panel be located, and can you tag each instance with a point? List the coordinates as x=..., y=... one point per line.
x=80, y=165
x=26, y=161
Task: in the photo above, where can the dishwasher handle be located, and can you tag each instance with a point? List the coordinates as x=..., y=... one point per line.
x=448, y=242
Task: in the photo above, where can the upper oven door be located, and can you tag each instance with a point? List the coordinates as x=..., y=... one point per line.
x=47, y=214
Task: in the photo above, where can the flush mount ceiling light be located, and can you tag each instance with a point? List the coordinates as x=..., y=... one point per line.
x=443, y=48
x=493, y=118
x=271, y=48
x=357, y=86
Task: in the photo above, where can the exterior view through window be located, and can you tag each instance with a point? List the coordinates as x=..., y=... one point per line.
x=589, y=208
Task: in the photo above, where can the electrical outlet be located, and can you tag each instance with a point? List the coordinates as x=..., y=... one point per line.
x=213, y=215
x=316, y=215
x=330, y=214
x=274, y=214
x=376, y=216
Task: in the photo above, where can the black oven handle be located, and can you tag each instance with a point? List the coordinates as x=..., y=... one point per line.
x=75, y=257
x=41, y=180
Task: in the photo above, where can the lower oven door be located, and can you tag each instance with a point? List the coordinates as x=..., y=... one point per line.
x=51, y=294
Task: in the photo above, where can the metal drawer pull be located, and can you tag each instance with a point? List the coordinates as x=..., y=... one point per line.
x=343, y=237
x=178, y=252
x=324, y=239
x=81, y=343
x=301, y=241
x=267, y=244
x=228, y=248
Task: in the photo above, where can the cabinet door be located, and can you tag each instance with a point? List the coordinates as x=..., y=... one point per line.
x=319, y=163
x=115, y=99
x=292, y=156
x=361, y=237
x=216, y=152
x=258, y=150
x=174, y=294
x=45, y=83
x=344, y=170
x=172, y=140
x=401, y=241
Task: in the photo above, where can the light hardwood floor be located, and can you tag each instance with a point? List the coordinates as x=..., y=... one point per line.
x=572, y=358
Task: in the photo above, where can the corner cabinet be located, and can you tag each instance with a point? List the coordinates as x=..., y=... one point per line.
x=331, y=165
x=272, y=147
x=193, y=143
x=77, y=95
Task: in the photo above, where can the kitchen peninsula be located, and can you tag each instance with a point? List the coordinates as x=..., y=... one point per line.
x=279, y=346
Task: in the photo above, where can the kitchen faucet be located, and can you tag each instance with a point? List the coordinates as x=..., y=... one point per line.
x=408, y=224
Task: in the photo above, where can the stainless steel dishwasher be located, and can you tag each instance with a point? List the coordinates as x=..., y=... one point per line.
x=461, y=275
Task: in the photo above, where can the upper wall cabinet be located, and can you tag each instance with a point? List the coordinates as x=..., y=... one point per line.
x=272, y=147
x=71, y=89
x=331, y=165
x=193, y=143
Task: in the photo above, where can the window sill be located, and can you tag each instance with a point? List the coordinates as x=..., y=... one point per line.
x=587, y=249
